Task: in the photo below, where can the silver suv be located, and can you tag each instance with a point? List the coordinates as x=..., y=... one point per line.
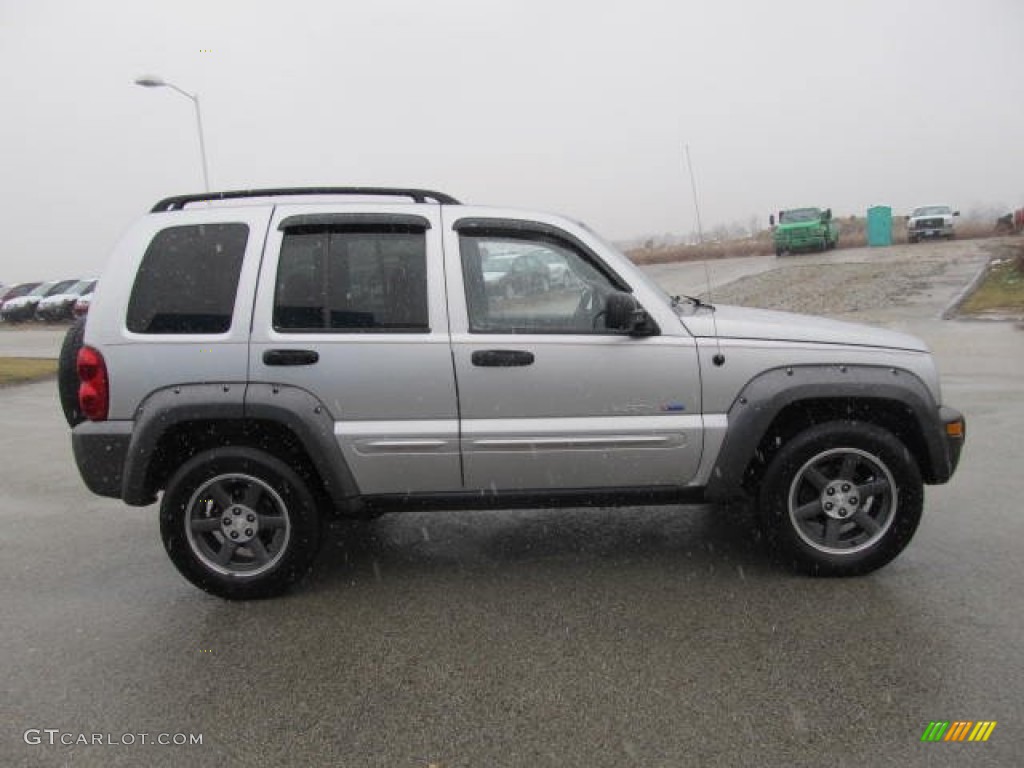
x=265, y=360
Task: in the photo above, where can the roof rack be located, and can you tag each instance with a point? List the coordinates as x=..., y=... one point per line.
x=178, y=202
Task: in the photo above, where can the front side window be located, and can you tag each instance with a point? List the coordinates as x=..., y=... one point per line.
x=352, y=280
x=188, y=279
x=525, y=283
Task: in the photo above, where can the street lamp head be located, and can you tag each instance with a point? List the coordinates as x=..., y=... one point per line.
x=150, y=81
x=154, y=81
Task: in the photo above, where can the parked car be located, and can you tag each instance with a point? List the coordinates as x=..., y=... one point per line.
x=559, y=274
x=260, y=368
x=81, y=308
x=512, y=275
x=15, y=291
x=931, y=221
x=24, y=307
x=60, y=306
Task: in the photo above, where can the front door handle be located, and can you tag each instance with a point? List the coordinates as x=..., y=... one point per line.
x=502, y=358
x=290, y=357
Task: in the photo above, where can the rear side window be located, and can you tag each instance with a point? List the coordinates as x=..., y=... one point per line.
x=357, y=279
x=188, y=280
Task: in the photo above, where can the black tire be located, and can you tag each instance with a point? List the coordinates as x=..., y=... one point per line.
x=911, y=240
x=870, y=480
x=67, y=373
x=225, y=491
x=778, y=252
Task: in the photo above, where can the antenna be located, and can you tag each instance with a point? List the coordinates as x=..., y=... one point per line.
x=696, y=203
x=719, y=358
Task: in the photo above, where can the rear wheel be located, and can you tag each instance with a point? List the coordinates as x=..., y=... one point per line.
x=842, y=499
x=239, y=523
x=67, y=373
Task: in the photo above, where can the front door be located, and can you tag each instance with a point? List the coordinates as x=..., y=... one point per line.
x=550, y=398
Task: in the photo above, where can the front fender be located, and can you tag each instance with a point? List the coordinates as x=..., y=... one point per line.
x=766, y=395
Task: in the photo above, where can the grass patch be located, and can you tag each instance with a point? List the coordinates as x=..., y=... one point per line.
x=1002, y=290
x=18, y=370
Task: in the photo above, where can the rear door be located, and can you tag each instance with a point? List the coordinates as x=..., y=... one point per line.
x=350, y=307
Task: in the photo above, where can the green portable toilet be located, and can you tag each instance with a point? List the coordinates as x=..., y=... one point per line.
x=879, y=225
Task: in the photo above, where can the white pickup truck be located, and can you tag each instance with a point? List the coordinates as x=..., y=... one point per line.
x=931, y=221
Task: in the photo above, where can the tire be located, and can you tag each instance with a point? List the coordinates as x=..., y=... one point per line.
x=778, y=252
x=269, y=504
x=870, y=480
x=67, y=373
x=911, y=239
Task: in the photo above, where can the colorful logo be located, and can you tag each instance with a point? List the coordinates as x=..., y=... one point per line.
x=958, y=730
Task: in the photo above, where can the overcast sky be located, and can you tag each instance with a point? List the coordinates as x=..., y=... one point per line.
x=578, y=106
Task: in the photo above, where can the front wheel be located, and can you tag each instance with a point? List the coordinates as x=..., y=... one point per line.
x=239, y=523
x=842, y=499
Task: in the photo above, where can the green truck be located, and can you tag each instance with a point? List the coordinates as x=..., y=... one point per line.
x=804, y=229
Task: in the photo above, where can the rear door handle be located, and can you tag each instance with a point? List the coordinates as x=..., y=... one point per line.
x=290, y=357
x=502, y=358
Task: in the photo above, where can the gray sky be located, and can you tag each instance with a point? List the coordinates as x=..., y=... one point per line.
x=576, y=106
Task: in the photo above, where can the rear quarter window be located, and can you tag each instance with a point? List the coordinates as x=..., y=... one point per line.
x=188, y=280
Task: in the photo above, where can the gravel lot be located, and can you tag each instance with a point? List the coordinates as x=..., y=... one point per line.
x=861, y=281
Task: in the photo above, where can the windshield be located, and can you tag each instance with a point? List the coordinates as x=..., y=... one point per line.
x=59, y=287
x=799, y=214
x=932, y=210
x=81, y=287
x=41, y=290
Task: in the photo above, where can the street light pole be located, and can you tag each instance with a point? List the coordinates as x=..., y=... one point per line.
x=152, y=81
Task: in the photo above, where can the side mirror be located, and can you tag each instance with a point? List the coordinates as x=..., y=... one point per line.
x=956, y=213
x=771, y=220
x=622, y=312
x=828, y=214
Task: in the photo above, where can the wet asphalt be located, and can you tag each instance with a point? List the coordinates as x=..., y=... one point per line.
x=659, y=636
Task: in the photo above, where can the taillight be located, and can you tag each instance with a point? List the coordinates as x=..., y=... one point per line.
x=94, y=388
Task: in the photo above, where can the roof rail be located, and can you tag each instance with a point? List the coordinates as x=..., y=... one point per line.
x=417, y=195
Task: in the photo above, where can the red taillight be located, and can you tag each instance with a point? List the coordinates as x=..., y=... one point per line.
x=94, y=388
